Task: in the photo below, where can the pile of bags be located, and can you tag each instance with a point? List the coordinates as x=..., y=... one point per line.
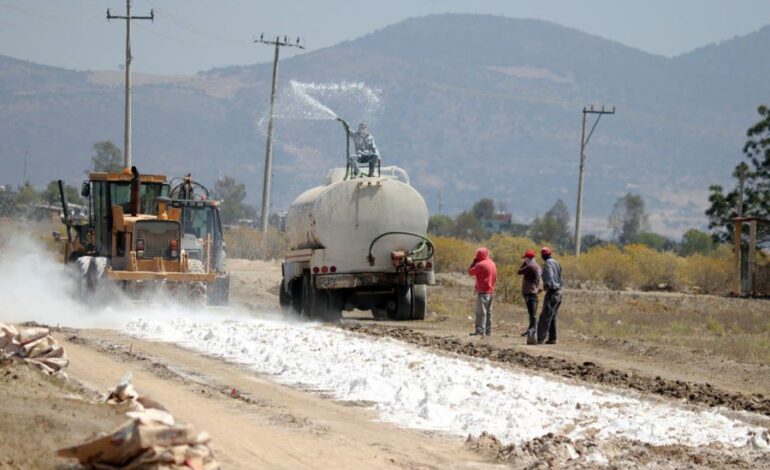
x=151, y=439
x=34, y=345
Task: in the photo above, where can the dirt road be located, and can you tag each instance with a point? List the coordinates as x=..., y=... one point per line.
x=256, y=423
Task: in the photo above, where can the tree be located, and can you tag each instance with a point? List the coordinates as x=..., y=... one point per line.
x=467, y=226
x=27, y=194
x=628, y=218
x=696, y=242
x=756, y=190
x=590, y=241
x=440, y=225
x=553, y=227
x=107, y=157
x=655, y=241
x=51, y=194
x=230, y=195
x=484, y=209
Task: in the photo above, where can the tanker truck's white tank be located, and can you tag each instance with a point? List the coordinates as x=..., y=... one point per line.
x=344, y=216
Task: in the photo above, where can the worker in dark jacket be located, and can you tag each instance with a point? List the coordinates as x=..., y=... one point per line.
x=531, y=285
x=546, y=324
x=366, y=149
x=486, y=275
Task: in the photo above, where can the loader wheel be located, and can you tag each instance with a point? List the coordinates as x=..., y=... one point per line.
x=196, y=291
x=81, y=276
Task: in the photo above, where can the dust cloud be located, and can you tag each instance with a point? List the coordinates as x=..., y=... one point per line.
x=35, y=286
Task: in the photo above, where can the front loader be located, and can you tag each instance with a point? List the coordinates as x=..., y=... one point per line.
x=132, y=239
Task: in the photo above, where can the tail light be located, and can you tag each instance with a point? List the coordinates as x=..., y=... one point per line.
x=420, y=265
x=173, y=247
x=428, y=265
x=333, y=269
x=325, y=269
x=315, y=269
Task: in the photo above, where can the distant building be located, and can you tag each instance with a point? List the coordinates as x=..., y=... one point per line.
x=500, y=222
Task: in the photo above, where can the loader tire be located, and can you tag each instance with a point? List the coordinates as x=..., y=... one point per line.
x=196, y=291
x=83, y=265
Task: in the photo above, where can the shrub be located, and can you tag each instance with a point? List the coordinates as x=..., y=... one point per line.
x=709, y=274
x=248, y=243
x=653, y=267
x=452, y=254
x=505, y=249
x=609, y=266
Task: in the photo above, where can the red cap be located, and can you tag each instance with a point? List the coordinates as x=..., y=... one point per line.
x=529, y=254
x=545, y=251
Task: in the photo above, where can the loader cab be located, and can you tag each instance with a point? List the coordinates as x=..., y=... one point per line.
x=105, y=190
x=200, y=222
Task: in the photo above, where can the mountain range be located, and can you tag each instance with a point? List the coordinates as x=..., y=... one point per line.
x=471, y=106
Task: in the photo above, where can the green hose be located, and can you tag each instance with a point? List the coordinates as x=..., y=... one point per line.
x=424, y=241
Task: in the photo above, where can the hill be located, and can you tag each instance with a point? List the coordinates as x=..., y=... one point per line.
x=471, y=106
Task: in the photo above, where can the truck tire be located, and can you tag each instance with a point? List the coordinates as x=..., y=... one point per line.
x=319, y=304
x=410, y=303
x=403, y=304
x=195, y=292
x=284, y=299
x=419, y=301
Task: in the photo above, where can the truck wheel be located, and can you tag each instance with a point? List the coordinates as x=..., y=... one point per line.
x=380, y=313
x=403, y=304
x=295, y=297
x=419, y=301
x=334, y=306
x=284, y=299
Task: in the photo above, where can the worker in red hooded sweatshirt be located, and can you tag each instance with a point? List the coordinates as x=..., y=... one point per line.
x=486, y=275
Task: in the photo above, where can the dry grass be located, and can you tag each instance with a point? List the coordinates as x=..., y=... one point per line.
x=248, y=243
x=737, y=329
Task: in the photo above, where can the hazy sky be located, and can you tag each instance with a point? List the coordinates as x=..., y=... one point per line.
x=192, y=35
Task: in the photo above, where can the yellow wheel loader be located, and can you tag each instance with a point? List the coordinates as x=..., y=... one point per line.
x=131, y=239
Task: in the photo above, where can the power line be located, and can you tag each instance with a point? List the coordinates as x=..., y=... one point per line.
x=277, y=43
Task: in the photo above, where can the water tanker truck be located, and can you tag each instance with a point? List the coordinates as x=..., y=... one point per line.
x=358, y=242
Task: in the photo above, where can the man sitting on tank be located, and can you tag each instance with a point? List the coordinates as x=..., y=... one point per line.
x=366, y=149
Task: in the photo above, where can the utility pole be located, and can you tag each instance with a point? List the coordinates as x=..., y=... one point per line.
x=278, y=43
x=127, y=118
x=583, y=143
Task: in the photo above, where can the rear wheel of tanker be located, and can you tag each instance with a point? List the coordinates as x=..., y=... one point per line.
x=195, y=292
x=403, y=304
x=333, y=308
x=295, y=297
x=380, y=313
x=284, y=299
x=307, y=300
x=419, y=301
x=410, y=303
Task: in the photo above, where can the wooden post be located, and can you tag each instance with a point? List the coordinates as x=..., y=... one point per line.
x=752, y=254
